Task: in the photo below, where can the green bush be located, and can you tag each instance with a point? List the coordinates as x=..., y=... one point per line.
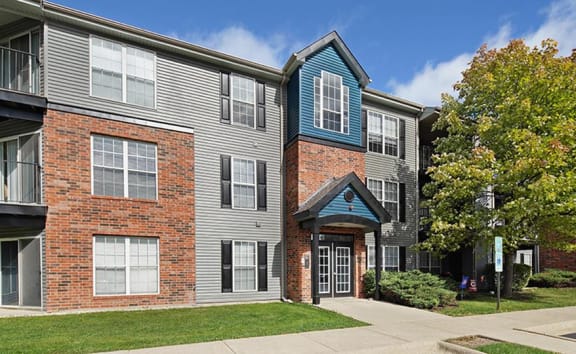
x=522, y=273
x=554, y=278
x=369, y=283
x=415, y=289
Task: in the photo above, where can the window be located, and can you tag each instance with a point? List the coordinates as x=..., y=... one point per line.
x=331, y=103
x=123, y=168
x=245, y=98
x=390, y=258
x=122, y=73
x=386, y=134
x=125, y=265
x=391, y=199
x=243, y=183
x=244, y=270
x=429, y=262
x=244, y=266
x=388, y=193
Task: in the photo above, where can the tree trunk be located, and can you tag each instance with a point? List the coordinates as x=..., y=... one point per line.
x=508, y=274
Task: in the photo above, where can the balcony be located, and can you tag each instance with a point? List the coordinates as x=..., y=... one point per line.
x=19, y=71
x=20, y=182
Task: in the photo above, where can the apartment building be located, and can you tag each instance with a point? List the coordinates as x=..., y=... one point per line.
x=140, y=170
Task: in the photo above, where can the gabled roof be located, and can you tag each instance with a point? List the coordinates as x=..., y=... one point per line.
x=333, y=38
x=311, y=208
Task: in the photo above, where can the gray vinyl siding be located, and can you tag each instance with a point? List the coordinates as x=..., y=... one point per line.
x=188, y=94
x=181, y=85
x=214, y=223
x=380, y=166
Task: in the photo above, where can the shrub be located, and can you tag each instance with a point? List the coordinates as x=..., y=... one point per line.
x=554, y=278
x=415, y=289
x=369, y=283
x=522, y=273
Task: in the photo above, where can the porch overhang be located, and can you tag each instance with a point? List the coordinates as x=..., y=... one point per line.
x=17, y=105
x=356, y=208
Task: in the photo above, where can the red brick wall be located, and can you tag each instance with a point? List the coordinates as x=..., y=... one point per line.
x=75, y=216
x=308, y=167
x=557, y=259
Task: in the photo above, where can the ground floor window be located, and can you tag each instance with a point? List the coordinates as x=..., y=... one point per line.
x=429, y=262
x=244, y=266
x=125, y=265
x=390, y=258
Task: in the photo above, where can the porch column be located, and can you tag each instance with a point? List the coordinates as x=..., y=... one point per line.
x=315, y=264
x=377, y=261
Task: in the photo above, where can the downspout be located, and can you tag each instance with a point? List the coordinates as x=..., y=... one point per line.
x=417, y=169
x=283, y=120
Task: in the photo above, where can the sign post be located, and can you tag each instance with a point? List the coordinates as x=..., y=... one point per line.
x=498, y=262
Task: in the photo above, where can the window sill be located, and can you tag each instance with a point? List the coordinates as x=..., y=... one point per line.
x=125, y=199
x=133, y=105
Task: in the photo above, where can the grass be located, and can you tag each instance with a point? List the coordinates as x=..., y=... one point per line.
x=107, y=331
x=510, y=348
x=529, y=299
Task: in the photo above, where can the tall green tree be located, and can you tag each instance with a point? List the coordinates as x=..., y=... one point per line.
x=511, y=131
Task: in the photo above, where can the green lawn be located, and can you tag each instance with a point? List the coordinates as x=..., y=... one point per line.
x=510, y=348
x=529, y=299
x=106, y=331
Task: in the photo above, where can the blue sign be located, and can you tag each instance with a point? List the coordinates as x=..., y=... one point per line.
x=498, y=258
x=464, y=282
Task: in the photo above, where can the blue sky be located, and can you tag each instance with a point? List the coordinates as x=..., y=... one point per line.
x=412, y=49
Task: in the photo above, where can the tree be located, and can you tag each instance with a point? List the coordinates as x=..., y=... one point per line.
x=511, y=130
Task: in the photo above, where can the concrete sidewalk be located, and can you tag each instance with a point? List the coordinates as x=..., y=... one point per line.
x=399, y=329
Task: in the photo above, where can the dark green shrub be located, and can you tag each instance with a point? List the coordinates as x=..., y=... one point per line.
x=522, y=273
x=554, y=278
x=415, y=289
x=369, y=283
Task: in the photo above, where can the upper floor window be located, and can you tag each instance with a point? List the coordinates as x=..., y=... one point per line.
x=122, y=73
x=244, y=99
x=123, y=168
x=20, y=62
x=392, y=195
x=331, y=103
x=243, y=183
x=383, y=134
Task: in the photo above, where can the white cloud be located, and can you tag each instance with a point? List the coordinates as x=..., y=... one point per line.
x=427, y=84
x=240, y=42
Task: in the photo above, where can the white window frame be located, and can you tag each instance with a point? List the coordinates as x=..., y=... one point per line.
x=232, y=99
x=255, y=243
x=372, y=254
x=124, y=72
x=428, y=266
x=344, y=111
x=383, y=118
x=125, y=168
x=233, y=182
x=382, y=198
x=127, y=265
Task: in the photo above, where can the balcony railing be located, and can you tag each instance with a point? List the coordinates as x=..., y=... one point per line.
x=19, y=71
x=20, y=182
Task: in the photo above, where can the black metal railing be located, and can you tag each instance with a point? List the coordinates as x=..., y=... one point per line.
x=20, y=182
x=19, y=71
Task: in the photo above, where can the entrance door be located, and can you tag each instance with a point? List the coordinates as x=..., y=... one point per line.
x=9, y=270
x=335, y=277
x=20, y=273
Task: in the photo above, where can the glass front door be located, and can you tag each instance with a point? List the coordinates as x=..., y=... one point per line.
x=336, y=268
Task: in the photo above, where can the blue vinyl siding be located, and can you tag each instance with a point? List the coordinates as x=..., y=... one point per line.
x=329, y=60
x=293, y=105
x=339, y=206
